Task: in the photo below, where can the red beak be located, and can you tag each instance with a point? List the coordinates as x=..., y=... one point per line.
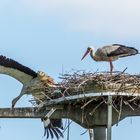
x=86, y=53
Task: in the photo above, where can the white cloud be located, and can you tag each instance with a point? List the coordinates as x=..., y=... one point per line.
x=118, y=17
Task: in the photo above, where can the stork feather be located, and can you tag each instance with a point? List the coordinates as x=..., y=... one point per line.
x=34, y=83
x=123, y=51
x=16, y=70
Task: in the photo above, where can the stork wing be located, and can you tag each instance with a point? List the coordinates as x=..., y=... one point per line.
x=54, y=129
x=121, y=51
x=16, y=70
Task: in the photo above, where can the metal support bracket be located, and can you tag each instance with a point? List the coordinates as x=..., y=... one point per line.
x=109, y=118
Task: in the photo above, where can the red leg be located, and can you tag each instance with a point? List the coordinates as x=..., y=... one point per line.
x=111, y=66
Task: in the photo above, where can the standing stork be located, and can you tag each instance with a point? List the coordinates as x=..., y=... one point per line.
x=34, y=83
x=110, y=53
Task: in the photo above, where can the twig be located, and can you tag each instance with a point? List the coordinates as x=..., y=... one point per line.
x=115, y=108
x=133, y=99
x=82, y=84
x=120, y=73
x=87, y=103
x=84, y=132
x=93, y=111
x=120, y=111
x=46, y=95
x=69, y=123
x=126, y=103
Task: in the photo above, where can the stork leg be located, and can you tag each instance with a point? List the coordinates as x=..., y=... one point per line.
x=111, y=66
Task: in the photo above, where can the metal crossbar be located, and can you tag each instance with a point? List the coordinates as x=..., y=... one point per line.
x=89, y=95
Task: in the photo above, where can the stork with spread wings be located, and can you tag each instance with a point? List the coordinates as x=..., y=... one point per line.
x=34, y=83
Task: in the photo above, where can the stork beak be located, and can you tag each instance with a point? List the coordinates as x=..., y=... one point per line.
x=86, y=53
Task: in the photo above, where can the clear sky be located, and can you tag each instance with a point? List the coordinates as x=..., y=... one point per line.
x=51, y=35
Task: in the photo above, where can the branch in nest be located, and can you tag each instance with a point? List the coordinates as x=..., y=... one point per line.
x=87, y=103
x=120, y=111
x=93, y=111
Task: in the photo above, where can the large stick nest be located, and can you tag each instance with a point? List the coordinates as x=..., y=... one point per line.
x=80, y=83
x=100, y=82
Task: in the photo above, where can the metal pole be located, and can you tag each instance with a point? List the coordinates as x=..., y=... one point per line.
x=100, y=133
x=91, y=134
x=109, y=118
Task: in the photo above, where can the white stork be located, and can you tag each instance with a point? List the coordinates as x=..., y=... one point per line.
x=110, y=53
x=35, y=84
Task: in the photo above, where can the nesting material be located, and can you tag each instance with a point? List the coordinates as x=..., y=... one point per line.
x=100, y=82
x=74, y=88
x=80, y=83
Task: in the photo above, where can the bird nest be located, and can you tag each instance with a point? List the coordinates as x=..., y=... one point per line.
x=90, y=91
x=81, y=83
x=81, y=87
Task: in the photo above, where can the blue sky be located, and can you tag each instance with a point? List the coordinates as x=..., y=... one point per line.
x=50, y=35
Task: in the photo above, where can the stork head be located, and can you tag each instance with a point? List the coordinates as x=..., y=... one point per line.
x=23, y=91
x=89, y=49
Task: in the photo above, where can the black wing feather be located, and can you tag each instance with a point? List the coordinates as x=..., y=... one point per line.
x=46, y=133
x=53, y=129
x=55, y=133
x=7, y=62
x=51, y=133
x=59, y=131
x=123, y=51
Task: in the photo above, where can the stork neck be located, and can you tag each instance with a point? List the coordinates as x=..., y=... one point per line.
x=92, y=54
